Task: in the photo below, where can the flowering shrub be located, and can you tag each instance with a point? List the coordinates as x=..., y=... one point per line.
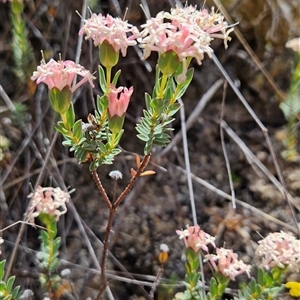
x=177, y=36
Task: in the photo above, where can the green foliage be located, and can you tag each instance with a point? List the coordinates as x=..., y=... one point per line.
x=7, y=291
x=160, y=109
x=267, y=286
x=102, y=81
x=48, y=255
x=22, y=52
x=291, y=110
x=217, y=286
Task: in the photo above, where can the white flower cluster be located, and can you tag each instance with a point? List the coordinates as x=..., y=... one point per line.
x=48, y=200
x=279, y=249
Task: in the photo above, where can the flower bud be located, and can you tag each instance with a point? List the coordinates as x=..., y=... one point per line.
x=17, y=7
x=117, y=107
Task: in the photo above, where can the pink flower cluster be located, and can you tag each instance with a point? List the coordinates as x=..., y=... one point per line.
x=195, y=238
x=48, y=200
x=118, y=106
x=228, y=263
x=187, y=31
x=60, y=74
x=113, y=30
x=279, y=249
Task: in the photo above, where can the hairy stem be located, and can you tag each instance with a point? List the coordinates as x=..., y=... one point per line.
x=101, y=189
x=103, y=278
x=112, y=211
x=133, y=180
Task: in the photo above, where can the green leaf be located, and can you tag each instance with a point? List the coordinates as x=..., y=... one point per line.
x=261, y=277
x=80, y=154
x=10, y=283
x=268, y=279
x=169, y=92
x=143, y=137
x=142, y=130
x=94, y=165
x=183, y=86
x=70, y=115
x=2, y=266
x=16, y=292
x=44, y=236
x=148, y=101
x=213, y=286
x=77, y=130
x=252, y=285
x=157, y=104
x=173, y=109
x=56, y=244
x=102, y=104
x=61, y=129
x=68, y=143
x=102, y=80
x=116, y=77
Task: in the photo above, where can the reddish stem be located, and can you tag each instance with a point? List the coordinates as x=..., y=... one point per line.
x=101, y=189
x=112, y=211
x=140, y=170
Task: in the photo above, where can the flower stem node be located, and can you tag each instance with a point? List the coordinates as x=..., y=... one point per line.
x=60, y=99
x=169, y=62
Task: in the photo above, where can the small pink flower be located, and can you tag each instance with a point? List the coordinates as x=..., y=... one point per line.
x=228, y=263
x=118, y=106
x=48, y=200
x=113, y=30
x=60, y=74
x=279, y=249
x=195, y=238
x=187, y=31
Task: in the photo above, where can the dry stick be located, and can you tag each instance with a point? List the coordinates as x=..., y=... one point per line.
x=224, y=148
x=249, y=50
x=189, y=178
x=253, y=160
x=241, y=203
x=112, y=212
x=22, y=228
x=187, y=161
x=265, y=133
x=193, y=116
x=103, y=279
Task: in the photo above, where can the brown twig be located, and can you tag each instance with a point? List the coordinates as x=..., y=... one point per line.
x=103, y=286
x=112, y=211
x=133, y=180
x=101, y=189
